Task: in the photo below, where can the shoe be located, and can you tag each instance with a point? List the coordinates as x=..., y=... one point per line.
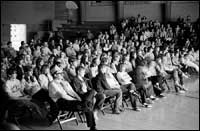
x=149, y=101
x=116, y=112
x=146, y=105
x=152, y=97
x=185, y=89
x=186, y=76
x=161, y=96
x=181, y=92
x=93, y=128
x=156, y=98
x=121, y=109
x=137, y=109
x=95, y=116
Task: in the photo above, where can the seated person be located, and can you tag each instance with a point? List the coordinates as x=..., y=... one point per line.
x=67, y=99
x=115, y=63
x=13, y=86
x=126, y=61
x=127, y=86
x=72, y=68
x=18, y=100
x=102, y=86
x=70, y=51
x=93, y=70
x=58, y=62
x=177, y=78
x=37, y=69
x=45, y=77
x=33, y=89
x=189, y=63
x=20, y=68
x=168, y=63
x=83, y=88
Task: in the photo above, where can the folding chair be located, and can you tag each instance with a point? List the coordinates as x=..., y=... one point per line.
x=107, y=104
x=66, y=117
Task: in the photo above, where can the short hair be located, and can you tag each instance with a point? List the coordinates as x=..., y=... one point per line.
x=101, y=66
x=79, y=68
x=142, y=63
x=44, y=67
x=9, y=42
x=12, y=70
x=104, y=60
x=38, y=61
x=71, y=60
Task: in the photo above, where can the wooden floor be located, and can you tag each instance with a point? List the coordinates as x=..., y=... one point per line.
x=177, y=112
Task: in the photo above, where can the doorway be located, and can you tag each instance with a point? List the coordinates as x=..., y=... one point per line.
x=17, y=34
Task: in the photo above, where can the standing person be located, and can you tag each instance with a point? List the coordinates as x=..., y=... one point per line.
x=67, y=99
x=142, y=83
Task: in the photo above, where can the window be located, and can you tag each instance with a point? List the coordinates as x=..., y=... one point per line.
x=17, y=34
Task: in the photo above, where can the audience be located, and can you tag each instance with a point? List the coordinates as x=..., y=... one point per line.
x=135, y=58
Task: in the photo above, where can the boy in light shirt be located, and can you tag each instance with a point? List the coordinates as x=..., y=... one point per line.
x=127, y=86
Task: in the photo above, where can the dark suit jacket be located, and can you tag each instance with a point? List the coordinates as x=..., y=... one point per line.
x=138, y=60
x=20, y=72
x=101, y=83
x=88, y=96
x=77, y=85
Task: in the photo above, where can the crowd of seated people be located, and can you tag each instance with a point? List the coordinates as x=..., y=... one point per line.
x=134, y=58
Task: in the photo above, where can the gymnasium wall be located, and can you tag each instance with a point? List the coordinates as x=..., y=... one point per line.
x=36, y=14
x=150, y=10
x=103, y=11
x=185, y=8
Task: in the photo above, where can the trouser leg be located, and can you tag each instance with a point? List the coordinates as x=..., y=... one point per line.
x=118, y=94
x=142, y=92
x=77, y=106
x=100, y=98
x=126, y=89
x=43, y=96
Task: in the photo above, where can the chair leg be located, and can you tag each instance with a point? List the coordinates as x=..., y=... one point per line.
x=122, y=104
x=59, y=123
x=126, y=103
x=16, y=121
x=80, y=116
x=103, y=112
x=73, y=114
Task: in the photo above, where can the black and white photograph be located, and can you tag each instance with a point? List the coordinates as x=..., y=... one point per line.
x=99, y=65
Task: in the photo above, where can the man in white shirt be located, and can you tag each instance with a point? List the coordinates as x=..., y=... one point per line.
x=66, y=98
